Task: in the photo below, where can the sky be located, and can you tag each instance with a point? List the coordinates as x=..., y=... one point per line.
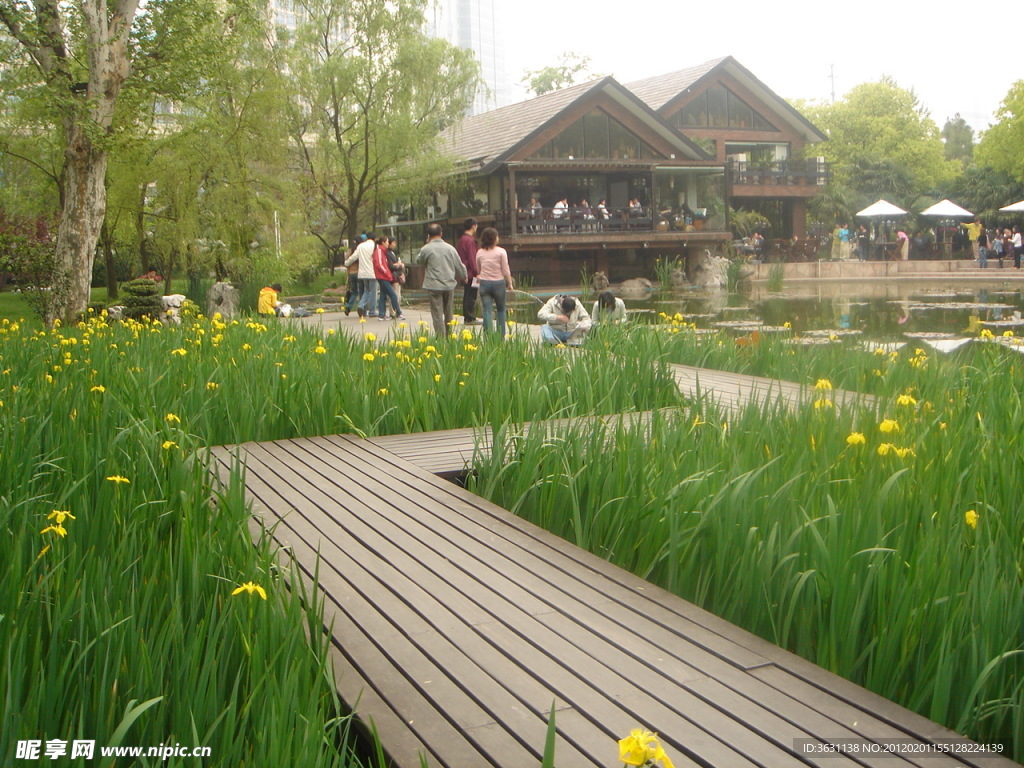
x=792, y=47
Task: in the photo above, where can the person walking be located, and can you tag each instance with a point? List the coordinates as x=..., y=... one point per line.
x=363, y=256
x=397, y=267
x=495, y=280
x=382, y=272
x=1018, y=247
x=442, y=270
x=467, y=249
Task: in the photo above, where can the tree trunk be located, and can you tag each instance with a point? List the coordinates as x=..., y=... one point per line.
x=85, y=204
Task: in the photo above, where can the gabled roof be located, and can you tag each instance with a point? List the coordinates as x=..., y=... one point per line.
x=659, y=91
x=489, y=138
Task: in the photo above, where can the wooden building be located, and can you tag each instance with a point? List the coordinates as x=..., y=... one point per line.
x=610, y=177
x=766, y=144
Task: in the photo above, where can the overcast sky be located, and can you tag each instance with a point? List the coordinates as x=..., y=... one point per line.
x=957, y=57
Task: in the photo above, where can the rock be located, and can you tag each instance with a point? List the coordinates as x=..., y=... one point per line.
x=712, y=271
x=636, y=288
x=222, y=297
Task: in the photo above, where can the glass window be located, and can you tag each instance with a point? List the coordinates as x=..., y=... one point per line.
x=624, y=145
x=693, y=115
x=569, y=143
x=718, y=107
x=740, y=115
x=595, y=135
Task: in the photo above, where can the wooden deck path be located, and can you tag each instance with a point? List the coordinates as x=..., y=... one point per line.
x=455, y=625
x=448, y=452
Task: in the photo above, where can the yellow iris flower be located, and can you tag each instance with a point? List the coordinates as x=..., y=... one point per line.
x=642, y=747
x=251, y=587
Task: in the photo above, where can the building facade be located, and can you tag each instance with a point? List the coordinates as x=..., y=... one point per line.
x=476, y=26
x=608, y=177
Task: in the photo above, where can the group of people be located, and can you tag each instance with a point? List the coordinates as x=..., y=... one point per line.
x=997, y=243
x=375, y=276
x=482, y=268
x=566, y=321
x=562, y=209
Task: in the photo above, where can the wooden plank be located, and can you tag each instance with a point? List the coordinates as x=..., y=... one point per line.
x=708, y=717
x=743, y=636
x=502, y=616
x=379, y=583
x=513, y=605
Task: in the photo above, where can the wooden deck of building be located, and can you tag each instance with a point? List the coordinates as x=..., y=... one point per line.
x=456, y=626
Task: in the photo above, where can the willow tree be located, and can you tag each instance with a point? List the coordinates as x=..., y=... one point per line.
x=76, y=60
x=371, y=93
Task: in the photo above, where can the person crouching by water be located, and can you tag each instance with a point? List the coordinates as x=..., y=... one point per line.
x=495, y=279
x=565, y=321
x=608, y=309
x=268, y=303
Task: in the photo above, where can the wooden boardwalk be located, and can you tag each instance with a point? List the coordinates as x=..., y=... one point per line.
x=456, y=625
x=448, y=452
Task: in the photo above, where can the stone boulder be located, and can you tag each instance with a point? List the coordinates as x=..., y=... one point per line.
x=636, y=288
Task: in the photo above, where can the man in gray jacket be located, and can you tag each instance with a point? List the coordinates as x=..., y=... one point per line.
x=442, y=270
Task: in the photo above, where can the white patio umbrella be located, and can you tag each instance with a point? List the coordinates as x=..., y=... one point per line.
x=944, y=209
x=1015, y=208
x=881, y=209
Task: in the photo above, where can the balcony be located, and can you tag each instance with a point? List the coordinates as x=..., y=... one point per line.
x=781, y=178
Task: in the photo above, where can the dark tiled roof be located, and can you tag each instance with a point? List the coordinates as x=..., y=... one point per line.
x=659, y=90
x=481, y=138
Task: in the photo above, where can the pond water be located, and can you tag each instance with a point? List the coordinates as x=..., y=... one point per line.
x=885, y=311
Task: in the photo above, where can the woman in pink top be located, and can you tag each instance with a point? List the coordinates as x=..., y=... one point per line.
x=494, y=277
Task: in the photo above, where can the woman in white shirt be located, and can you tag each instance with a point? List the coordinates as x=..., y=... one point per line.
x=608, y=309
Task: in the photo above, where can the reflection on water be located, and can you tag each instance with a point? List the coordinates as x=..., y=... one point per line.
x=879, y=311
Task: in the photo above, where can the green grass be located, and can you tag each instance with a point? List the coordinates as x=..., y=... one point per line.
x=13, y=307
x=857, y=556
x=125, y=628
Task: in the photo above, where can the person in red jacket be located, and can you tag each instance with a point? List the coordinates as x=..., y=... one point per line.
x=382, y=271
x=467, y=248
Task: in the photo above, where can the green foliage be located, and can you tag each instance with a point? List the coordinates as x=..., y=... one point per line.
x=958, y=140
x=984, y=191
x=134, y=605
x=775, y=275
x=1002, y=146
x=882, y=142
x=572, y=68
x=858, y=554
x=142, y=299
x=383, y=93
x=744, y=223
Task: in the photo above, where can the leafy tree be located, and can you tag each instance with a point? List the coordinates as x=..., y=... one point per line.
x=882, y=141
x=572, y=68
x=83, y=67
x=371, y=93
x=1002, y=146
x=984, y=191
x=959, y=139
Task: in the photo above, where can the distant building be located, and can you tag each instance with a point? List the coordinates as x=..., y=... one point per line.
x=476, y=26
x=723, y=107
x=613, y=177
